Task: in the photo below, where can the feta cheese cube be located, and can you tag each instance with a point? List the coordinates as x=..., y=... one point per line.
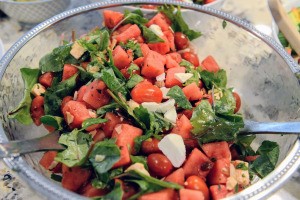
x=171, y=115
x=156, y=29
x=165, y=91
x=165, y=106
x=138, y=167
x=173, y=148
x=183, y=77
x=38, y=89
x=132, y=104
x=161, y=77
x=77, y=50
x=151, y=106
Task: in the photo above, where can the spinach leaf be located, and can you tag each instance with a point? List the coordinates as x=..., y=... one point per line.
x=54, y=121
x=150, y=36
x=134, y=80
x=218, y=79
x=134, y=17
x=55, y=94
x=242, y=145
x=190, y=68
x=105, y=180
x=113, y=83
x=208, y=127
x=178, y=23
x=111, y=65
x=22, y=111
x=84, y=76
x=139, y=140
x=139, y=159
x=146, y=183
x=177, y=94
x=104, y=155
x=97, y=40
x=54, y=61
x=92, y=121
x=134, y=46
x=115, y=194
x=225, y=103
x=266, y=162
x=78, y=145
x=153, y=122
x=107, y=108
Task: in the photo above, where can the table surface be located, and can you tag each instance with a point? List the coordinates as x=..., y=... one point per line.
x=254, y=11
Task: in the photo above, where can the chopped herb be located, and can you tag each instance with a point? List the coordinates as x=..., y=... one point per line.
x=177, y=94
x=241, y=166
x=224, y=24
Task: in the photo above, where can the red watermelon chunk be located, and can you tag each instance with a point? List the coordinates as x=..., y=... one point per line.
x=170, y=62
x=130, y=33
x=68, y=71
x=197, y=164
x=96, y=95
x=166, y=194
x=153, y=64
x=68, y=177
x=161, y=20
x=210, y=64
x=124, y=157
x=125, y=135
x=176, y=177
x=183, y=127
x=170, y=78
x=112, y=18
x=170, y=37
x=217, y=150
x=187, y=194
x=160, y=47
x=218, y=192
x=220, y=172
x=145, y=49
x=112, y=121
x=121, y=58
x=192, y=92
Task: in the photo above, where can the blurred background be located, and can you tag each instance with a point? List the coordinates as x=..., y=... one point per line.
x=17, y=19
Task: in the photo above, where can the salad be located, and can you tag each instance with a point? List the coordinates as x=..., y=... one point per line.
x=140, y=116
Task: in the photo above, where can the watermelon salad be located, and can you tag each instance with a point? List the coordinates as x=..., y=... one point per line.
x=140, y=115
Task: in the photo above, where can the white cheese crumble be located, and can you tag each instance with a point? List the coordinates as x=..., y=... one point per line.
x=156, y=29
x=161, y=77
x=70, y=118
x=165, y=106
x=183, y=77
x=38, y=89
x=132, y=104
x=151, y=106
x=171, y=115
x=138, y=167
x=99, y=158
x=165, y=91
x=77, y=50
x=173, y=148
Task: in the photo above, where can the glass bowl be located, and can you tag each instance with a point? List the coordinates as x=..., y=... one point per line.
x=257, y=67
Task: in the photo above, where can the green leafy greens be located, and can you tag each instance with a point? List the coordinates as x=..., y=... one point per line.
x=22, y=111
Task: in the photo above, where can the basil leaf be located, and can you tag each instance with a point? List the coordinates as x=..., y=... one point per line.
x=207, y=127
x=84, y=76
x=150, y=36
x=54, y=121
x=55, y=94
x=113, y=83
x=177, y=94
x=134, y=46
x=78, y=145
x=22, y=111
x=266, y=162
x=134, y=17
x=92, y=121
x=105, y=180
x=146, y=183
x=107, y=108
x=218, y=79
x=104, y=155
x=226, y=103
x=115, y=194
x=178, y=23
x=54, y=61
x=133, y=81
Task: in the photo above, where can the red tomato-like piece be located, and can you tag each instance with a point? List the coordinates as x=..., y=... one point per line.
x=237, y=102
x=146, y=92
x=191, y=57
x=197, y=183
x=159, y=164
x=46, y=79
x=150, y=146
x=181, y=41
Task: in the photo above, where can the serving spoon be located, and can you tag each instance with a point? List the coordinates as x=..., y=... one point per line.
x=50, y=141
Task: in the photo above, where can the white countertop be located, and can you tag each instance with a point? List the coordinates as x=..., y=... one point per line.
x=254, y=11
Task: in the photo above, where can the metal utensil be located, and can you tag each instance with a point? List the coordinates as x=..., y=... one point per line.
x=19, y=147
x=50, y=141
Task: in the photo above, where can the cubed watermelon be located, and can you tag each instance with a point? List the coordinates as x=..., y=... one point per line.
x=192, y=92
x=170, y=78
x=220, y=172
x=121, y=58
x=187, y=194
x=210, y=64
x=183, y=127
x=153, y=64
x=112, y=18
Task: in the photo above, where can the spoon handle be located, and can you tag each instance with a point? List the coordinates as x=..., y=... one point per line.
x=18, y=147
x=271, y=127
